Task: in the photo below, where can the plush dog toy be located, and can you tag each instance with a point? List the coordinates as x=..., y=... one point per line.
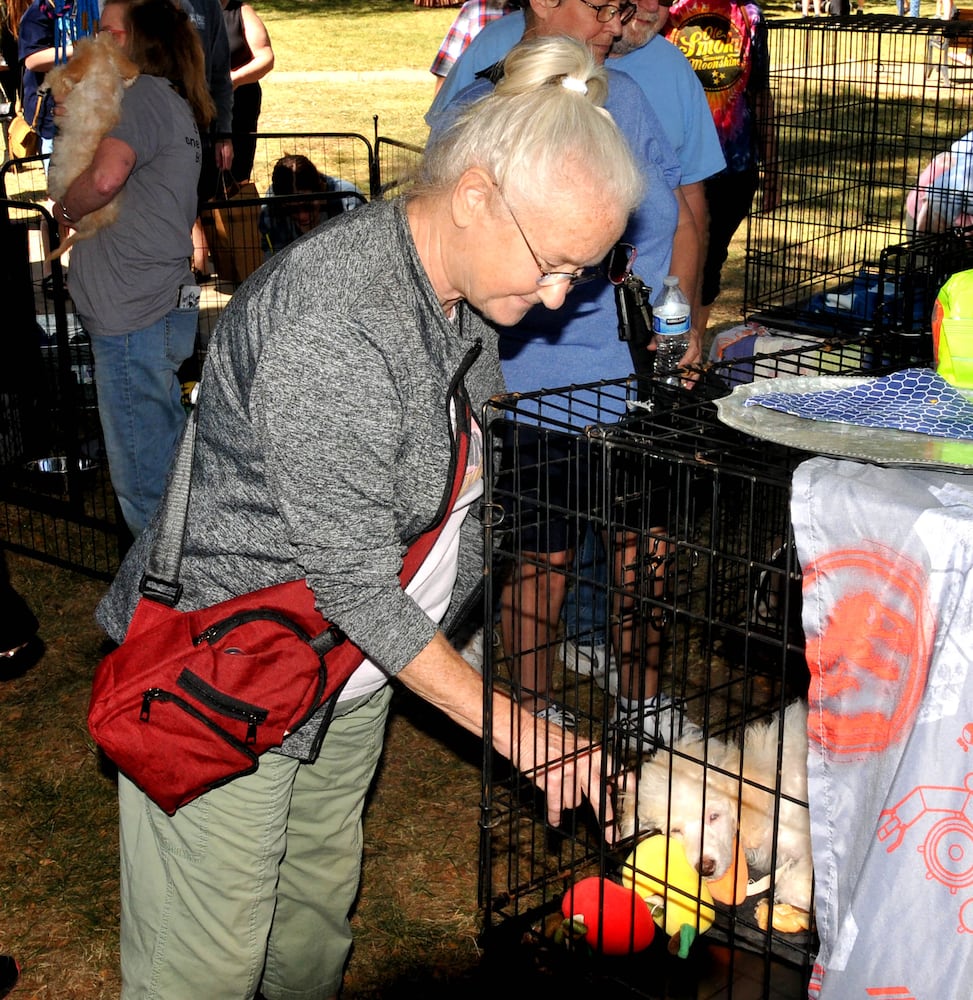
x=608, y=916
x=88, y=90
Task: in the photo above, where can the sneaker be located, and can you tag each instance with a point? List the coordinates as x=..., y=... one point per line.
x=9, y=974
x=557, y=715
x=472, y=650
x=653, y=724
x=591, y=660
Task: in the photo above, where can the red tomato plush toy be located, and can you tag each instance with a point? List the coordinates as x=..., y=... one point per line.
x=619, y=915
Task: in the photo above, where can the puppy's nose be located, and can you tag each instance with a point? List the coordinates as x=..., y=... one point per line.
x=707, y=866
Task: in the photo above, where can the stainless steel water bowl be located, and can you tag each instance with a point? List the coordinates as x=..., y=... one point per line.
x=52, y=472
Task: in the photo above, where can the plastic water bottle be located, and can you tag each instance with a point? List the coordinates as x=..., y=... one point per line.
x=670, y=323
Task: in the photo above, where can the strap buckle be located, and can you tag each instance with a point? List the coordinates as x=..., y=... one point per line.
x=160, y=591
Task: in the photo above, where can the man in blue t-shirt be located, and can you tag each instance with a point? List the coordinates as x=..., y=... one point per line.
x=678, y=99
x=578, y=343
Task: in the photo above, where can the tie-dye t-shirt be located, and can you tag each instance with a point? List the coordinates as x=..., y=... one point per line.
x=726, y=43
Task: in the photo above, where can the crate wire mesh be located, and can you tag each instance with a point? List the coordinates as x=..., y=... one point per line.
x=912, y=272
x=713, y=564
x=860, y=106
x=859, y=109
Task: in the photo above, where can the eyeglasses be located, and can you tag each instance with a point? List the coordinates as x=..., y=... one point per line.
x=608, y=11
x=547, y=277
x=116, y=33
x=618, y=264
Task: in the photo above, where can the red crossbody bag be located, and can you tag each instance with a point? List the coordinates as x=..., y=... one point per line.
x=191, y=699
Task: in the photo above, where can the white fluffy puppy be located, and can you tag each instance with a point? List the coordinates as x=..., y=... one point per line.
x=708, y=806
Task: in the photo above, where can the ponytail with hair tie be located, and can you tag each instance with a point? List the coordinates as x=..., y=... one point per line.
x=547, y=110
x=574, y=84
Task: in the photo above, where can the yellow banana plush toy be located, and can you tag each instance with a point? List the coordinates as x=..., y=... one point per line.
x=680, y=901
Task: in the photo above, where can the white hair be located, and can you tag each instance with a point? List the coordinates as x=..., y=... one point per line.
x=542, y=127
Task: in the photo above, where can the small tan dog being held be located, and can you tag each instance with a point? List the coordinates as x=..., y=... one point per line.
x=88, y=90
x=710, y=809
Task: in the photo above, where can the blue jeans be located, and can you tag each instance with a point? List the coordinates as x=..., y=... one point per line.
x=584, y=606
x=142, y=417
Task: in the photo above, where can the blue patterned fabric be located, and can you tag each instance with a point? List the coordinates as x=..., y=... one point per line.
x=915, y=399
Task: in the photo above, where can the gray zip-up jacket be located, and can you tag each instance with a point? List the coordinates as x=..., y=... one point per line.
x=324, y=440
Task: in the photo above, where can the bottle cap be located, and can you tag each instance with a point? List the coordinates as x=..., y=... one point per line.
x=670, y=279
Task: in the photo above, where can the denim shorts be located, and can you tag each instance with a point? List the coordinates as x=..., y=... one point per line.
x=552, y=484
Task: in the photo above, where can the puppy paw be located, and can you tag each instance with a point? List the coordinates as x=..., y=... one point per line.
x=786, y=919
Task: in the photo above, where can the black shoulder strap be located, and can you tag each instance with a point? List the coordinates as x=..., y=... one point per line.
x=492, y=73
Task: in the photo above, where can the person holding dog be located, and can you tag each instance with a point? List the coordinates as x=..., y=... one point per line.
x=131, y=282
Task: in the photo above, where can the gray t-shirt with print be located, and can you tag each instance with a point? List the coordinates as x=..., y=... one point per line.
x=127, y=275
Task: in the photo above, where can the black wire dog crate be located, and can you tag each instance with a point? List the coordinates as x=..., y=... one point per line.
x=699, y=559
x=860, y=105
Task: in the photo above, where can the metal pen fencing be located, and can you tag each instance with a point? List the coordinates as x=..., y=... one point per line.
x=860, y=106
x=56, y=500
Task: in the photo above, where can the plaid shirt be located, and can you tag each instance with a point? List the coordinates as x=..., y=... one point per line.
x=474, y=15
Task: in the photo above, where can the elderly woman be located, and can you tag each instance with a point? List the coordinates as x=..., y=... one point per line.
x=131, y=281
x=335, y=387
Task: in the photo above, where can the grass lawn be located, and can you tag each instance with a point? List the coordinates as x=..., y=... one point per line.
x=313, y=37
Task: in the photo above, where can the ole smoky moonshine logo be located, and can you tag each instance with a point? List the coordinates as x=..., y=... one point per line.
x=713, y=45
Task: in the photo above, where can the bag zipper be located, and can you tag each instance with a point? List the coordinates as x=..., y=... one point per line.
x=234, y=708
x=160, y=694
x=219, y=630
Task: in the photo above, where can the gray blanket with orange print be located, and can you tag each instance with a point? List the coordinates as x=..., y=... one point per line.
x=887, y=557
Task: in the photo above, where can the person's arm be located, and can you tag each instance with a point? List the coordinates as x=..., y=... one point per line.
x=94, y=187
x=340, y=502
x=686, y=263
x=258, y=39
x=696, y=203
x=563, y=767
x=451, y=49
x=766, y=136
x=43, y=60
x=762, y=108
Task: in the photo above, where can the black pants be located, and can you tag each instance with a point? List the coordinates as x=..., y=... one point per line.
x=730, y=196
